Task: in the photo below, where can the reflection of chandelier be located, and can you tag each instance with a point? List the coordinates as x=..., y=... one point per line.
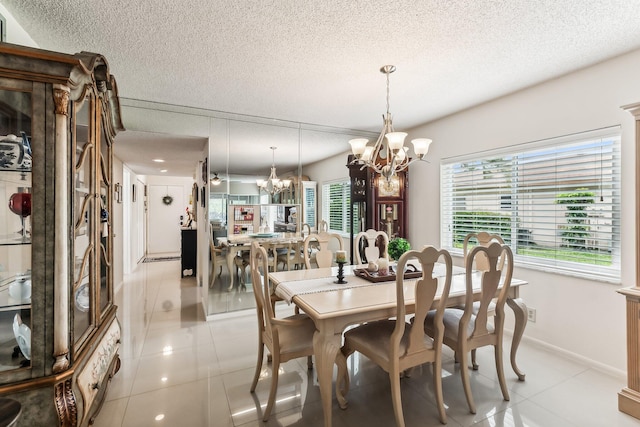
x=216, y=180
x=396, y=158
x=273, y=185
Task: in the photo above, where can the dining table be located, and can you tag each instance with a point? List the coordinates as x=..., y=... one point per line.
x=333, y=307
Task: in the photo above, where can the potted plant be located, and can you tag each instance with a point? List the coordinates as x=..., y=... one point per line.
x=398, y=246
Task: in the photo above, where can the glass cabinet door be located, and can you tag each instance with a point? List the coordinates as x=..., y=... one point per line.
x=83, y=138
x=15, y=228
x=106, y=252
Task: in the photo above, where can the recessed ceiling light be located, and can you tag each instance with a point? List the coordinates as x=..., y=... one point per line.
x=163, y=170
x=158, y=160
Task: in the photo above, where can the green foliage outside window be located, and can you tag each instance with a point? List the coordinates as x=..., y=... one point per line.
x=576, y=232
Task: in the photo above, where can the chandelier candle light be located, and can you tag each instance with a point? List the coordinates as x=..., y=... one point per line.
x=273, y=185
x=396, y=158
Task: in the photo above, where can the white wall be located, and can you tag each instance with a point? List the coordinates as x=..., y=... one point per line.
x=164, y=220
x=15, y=33
x=578, y=315
x=117, y=227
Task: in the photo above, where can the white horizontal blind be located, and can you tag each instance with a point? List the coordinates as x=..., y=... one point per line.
x=335, y=205
x=555, y=202
x=309, y=208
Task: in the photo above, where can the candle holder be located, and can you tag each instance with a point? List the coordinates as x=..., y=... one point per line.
x=341, y=280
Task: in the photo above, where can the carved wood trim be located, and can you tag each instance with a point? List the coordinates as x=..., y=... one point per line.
x=61, y=99
x=66, y=404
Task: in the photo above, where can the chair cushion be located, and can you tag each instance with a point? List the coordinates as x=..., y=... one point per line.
x=373, y=338
x=294, y=338
x=451, y=320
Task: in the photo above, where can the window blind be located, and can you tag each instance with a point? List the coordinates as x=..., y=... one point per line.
x=335, y=205
x=555, y=202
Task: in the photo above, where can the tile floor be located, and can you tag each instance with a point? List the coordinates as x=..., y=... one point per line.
x=179, y=370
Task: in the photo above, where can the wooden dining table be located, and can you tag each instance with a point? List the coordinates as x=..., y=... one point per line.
x=333, y=307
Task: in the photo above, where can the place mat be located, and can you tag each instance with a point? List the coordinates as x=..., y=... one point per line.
x=287, y=290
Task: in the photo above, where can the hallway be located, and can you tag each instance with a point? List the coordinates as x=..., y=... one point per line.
x=178, y=370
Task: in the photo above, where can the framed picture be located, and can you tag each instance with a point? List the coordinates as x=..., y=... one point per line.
x=117, y=192
x=202, y=195
x=205, y=170
x=134, y=193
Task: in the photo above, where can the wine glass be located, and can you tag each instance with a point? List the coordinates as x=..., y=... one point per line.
x=20, y=204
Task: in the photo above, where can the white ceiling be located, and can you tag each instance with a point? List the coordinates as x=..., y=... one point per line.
x=317, y=62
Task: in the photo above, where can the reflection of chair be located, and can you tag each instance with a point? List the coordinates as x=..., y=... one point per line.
x=323, y=256
x=468, y=329
x=287, y=338
x=242, y=261
x=396, y=345
x=306, y=230
x=370, y=245
x=217, y=260
x=289, y=255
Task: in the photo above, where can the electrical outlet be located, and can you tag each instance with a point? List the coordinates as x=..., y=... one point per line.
x=531, y=315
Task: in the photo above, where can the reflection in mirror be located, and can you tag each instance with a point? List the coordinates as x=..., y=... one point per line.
x=239, y=155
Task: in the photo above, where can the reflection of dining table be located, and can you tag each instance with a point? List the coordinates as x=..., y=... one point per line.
x=270, y=241
x=333, y=307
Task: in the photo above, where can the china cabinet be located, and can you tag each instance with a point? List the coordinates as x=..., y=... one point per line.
x=59, y=336
x=629, y=397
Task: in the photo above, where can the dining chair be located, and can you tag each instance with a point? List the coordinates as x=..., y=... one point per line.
x=396, y=345
x=322, y=256
x=285, y=338
x=370, y=245
x=468, y=329
x=322, y=226
x=481, y=238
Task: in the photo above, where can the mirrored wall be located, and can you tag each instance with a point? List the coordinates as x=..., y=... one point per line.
x=240, y=154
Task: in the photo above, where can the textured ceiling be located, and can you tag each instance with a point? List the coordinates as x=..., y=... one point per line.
x=317, y=62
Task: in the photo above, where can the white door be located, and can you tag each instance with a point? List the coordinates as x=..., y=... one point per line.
x=164, y=219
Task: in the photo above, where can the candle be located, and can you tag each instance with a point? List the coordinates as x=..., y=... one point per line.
x=341, y=256
x=383, y=267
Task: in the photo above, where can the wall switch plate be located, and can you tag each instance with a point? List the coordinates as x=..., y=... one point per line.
x=531, y=315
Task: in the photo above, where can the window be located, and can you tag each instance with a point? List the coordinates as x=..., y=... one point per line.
x=336, y=199
x=555, y=202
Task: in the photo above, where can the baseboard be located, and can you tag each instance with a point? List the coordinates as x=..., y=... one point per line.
x=609, y=370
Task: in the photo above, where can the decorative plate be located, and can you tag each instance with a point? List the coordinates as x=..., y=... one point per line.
x=263, y=235
x=82, y=298
x=23, y=336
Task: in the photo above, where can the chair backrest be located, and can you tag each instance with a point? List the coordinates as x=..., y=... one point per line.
x=323, y=255
x=215, y=252
x=261, y=291
x=481, y=238
x=322, y=226
x=306, y=229
x=370, y=245
x=498, y=274
x=426, y=288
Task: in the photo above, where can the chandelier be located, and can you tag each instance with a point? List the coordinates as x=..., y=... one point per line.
x=216, y=180
x=392, y=157
x=273, y=185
